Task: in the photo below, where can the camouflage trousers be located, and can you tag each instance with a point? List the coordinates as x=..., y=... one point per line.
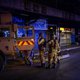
x=41, y=55
x=52, y=57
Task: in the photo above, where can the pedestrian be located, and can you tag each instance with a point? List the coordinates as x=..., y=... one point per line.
x=41, y=46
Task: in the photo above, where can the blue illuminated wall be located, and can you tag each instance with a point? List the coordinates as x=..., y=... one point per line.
x=40, y=26
x=37, y=35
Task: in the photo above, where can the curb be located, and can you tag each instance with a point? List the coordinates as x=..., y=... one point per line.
x=63, y=55
x=70, y=48
x=62, y=50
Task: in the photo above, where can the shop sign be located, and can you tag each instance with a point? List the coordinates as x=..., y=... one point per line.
x=67, y=29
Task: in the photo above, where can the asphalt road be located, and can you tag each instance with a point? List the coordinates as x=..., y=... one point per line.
x=68, y=69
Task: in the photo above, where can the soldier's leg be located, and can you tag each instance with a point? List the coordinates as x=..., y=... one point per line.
x=42, y=59
x=26, y=57
x=49, y=58
x=55, y=57
x=40, y=56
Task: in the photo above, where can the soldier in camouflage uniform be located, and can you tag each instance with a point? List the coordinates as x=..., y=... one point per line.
x=41, y=47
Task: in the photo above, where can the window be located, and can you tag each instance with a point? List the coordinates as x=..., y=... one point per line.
x=29, y=32
x=4, y=32
x=22, y=32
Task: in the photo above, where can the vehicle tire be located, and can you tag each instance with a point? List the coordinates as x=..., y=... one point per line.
x=2, y=61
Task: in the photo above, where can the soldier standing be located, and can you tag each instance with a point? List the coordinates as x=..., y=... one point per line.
x=57, y=50
x=41, y=47
x=50, y=51
x=53, y=46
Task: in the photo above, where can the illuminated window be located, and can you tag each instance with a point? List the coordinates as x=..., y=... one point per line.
x=62, y=29
x=29, y=32
x=22, y=32
x=4, y=32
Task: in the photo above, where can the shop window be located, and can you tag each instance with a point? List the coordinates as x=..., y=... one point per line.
x=4, y=32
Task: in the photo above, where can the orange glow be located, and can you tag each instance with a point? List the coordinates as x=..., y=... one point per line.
x=25, y=43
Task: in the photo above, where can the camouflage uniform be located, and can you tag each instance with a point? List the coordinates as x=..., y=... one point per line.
x=41, y=50
x=52, y=53
x=57, y=48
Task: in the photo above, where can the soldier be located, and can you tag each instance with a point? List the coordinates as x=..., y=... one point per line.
x=50, y=51
x=53, y=50
x=56, y=51
x=41, y=47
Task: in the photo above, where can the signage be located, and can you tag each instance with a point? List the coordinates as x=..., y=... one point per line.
x=65, y=29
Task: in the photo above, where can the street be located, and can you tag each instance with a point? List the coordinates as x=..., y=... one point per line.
x=68, y=69
x=35, y=33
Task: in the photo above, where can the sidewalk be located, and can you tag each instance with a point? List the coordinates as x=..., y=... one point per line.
x=66, y=48
x=65, y=51
x=71, y=47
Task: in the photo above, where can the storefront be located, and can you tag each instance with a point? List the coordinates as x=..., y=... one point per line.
x=67, y=36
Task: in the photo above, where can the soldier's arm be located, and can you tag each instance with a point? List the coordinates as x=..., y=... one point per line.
x=40, y=42
x=51, y=41
x=58, y=47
